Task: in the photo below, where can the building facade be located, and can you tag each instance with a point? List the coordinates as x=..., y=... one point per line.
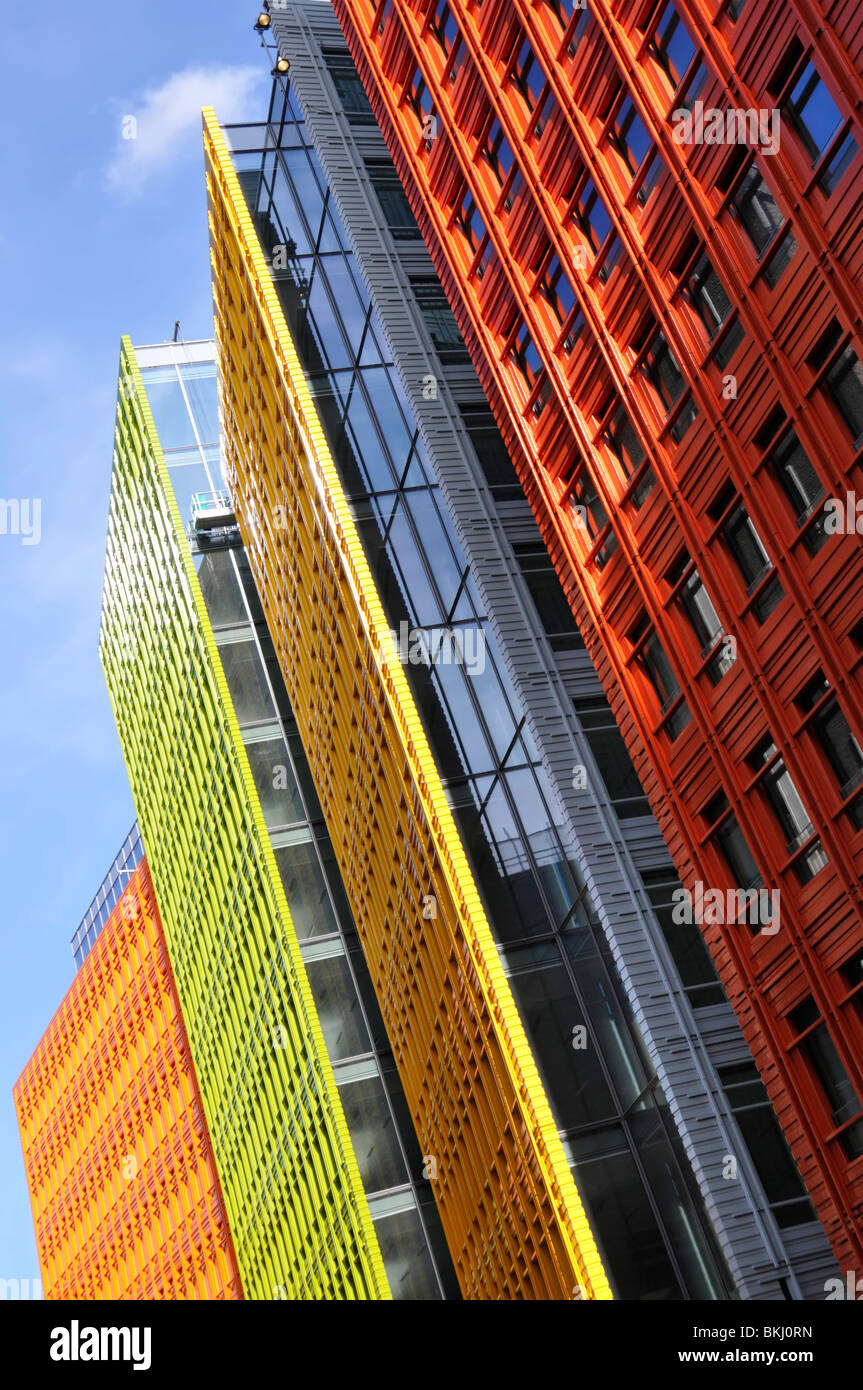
x=705, y=1069
x=123, y=1185
x=323, y=1198
x=646, y=218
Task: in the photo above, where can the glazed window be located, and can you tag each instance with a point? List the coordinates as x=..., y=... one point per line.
x=837, y=742
x=706, y=293
x=622, y=439
x=787, y=805
x=556, y=290
x=780, y=259
x=831, y=175
x=495, y=149
x=851, y=975
x=684, y=940
x=753, y=562
x=526, y=358
x=491, y=451
x=702, y=617
x=765, y=1141
x=820, y=1051
x=844, y=382
x=651, y=657
x=575, y=331
x=660, y=367
x=547, y=110
x=527, y=75
x=732, y=845
x=812, y=112
x=591, y=517
x=469, y=221
x=629, y=137
x=590, y=214
x=418, y=97
x=547, y=593
x=443, y=25
x=612, y=758
x=756, y=210
x=439, y=319
x=801, y=486
x=382, y=14
x=563, y=10
x=393, y=200
x=671, y=46
x=351, y=92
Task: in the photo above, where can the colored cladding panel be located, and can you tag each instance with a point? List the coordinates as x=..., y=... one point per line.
x=508, y=1203
x=122, y=1178
x=667, y=325
x=297, y=1210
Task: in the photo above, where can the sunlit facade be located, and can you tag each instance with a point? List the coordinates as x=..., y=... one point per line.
x=123, y=1184
x=647, y=220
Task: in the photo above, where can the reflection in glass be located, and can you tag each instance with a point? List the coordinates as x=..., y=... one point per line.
x=188, y=476
x=222, y=594
x=373, y=1135
x=607, y=1017
x=305, y=889
x=568, y=1059
x=247, y=684
x=621, y=1217
x=173, y=423
x=679, y=1219
x=200, y=383
x=406, y=1256
x=338, y=1006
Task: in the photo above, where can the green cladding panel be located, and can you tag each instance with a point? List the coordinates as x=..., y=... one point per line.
x=295, y=1203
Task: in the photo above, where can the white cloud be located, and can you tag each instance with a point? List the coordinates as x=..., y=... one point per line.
x=163, y=126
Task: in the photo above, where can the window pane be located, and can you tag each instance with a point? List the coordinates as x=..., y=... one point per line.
x=765, y=1142
x=305, y=890
x=406, y=1257
x=813, y=112
x=201, y=388
x=221, y=590
x=831, y=1073
x=338, y=1007
x=170, y=414
x=845, y=383
x=743, y=867
x=685, y=943
x=622, y=1218
x=577, y=1090
x=373, y=1135
x=757, y=210
x=275, y=782
x=247, y=683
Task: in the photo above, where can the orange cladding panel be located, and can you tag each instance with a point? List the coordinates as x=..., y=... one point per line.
x=123, y=1186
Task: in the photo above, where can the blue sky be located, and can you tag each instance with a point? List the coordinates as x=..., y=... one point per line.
x=99, y=236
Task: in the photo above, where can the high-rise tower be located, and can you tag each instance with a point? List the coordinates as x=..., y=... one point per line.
x=336, y=231
x=647, y=219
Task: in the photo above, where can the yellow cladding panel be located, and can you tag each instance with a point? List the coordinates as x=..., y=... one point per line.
x=508, y=1203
